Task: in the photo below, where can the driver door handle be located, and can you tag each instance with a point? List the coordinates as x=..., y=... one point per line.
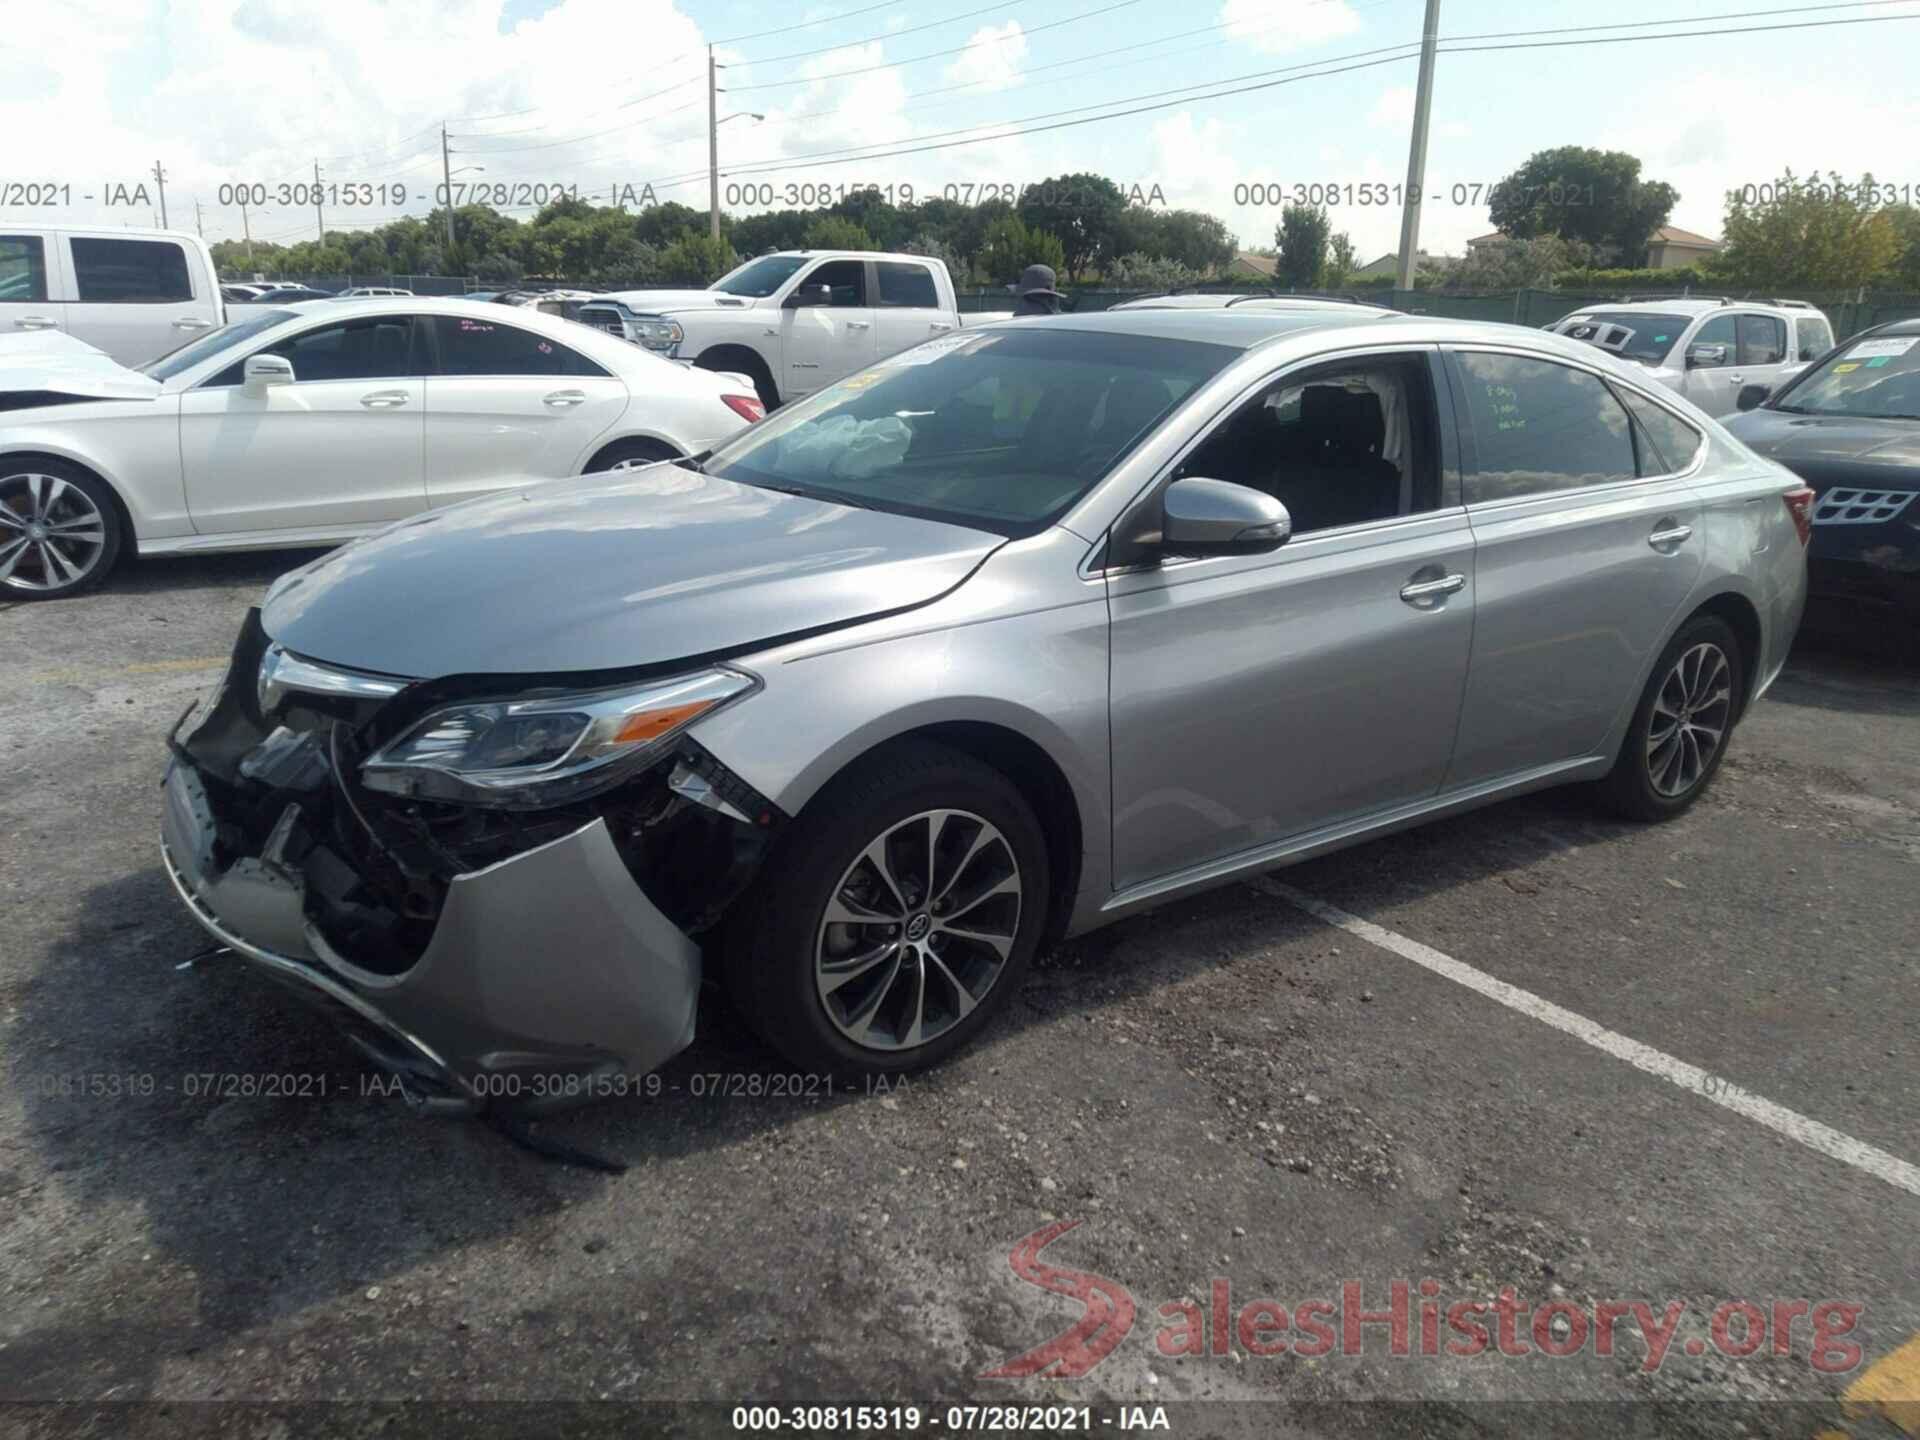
x=939, y=325
x=190, y=323
x=859, y=325
x=384, y=399
x=566, y=399
x=1419, y=590
x=1670, y=534
x=35, y=322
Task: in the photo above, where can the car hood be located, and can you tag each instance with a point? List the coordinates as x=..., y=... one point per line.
x=617, y=571
x=53, y=362
x=664, y=302
x=1830, y=449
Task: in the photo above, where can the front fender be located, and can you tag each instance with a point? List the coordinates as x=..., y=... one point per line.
x=133, y=446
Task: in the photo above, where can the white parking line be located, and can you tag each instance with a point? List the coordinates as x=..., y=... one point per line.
x=1795, y=1126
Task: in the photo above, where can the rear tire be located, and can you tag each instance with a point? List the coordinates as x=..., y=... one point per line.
x=1682, y=726
x=630, y=455
x=60, y=529
x=948, y=861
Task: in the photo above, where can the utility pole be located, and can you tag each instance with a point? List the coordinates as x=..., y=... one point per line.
x=446, y=175
x=1417, y=156
x=246, y=229
x=713, y=146
x=319, y=220
x=160, y=179
x=198, y=223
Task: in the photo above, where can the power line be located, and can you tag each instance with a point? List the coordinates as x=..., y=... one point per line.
x=869, y=39
x=806, y=24
x=931, y=54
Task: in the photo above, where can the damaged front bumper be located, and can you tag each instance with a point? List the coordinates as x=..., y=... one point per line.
x=534, y=979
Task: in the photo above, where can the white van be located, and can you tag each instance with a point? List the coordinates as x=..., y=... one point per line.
x=135, y=294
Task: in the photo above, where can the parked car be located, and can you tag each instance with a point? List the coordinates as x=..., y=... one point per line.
x=133, y=293
x=369, y=292
x=1257, y=301
x=238, y=293
x=798, y=320
x=310, y=424
x=1707, y=350
x=1001, y=639
x=1850, y=427
x=289, y=295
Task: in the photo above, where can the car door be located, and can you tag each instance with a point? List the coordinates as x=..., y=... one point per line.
x=506, y=403
x=339, y=447
x=1583, y=537
x=1711, y=359
x=822, y=343
x=1256, y=698
x=907, y=309
x=27, y=286
x=134, y=298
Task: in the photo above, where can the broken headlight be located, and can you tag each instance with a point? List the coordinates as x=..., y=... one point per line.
x=550, y=750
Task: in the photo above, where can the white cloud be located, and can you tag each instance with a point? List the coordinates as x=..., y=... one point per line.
x=1280, y=26
x=992, y=57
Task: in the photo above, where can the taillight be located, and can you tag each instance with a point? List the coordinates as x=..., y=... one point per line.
x=1800, y=506
x=749, y=408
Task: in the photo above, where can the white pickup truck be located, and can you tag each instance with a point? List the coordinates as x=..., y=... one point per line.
x=794, y=321
x=135, y=294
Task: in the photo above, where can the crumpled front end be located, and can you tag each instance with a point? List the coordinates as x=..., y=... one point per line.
x=531, y=958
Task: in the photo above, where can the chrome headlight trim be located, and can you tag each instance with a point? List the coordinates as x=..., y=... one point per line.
x=281, y=671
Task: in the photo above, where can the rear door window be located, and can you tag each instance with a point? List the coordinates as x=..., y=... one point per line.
x=906, y=285
x=23, y=269
x=130, y=272
x=1763, y=340
x=1539, y=427
x=1667, y=444
x=487, y=347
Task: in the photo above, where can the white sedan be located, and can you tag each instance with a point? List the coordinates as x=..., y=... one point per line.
x=310, y=424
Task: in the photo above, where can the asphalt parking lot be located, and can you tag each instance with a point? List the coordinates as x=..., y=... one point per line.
x=1249, y=1087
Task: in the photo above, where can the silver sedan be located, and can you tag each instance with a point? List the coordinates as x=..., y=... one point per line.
x=1000, y=640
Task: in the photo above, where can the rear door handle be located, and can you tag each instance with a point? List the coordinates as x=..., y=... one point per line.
x=192, y=324
x=384, y=399
x=35, y=322
x=939, y=325
x=566, y=399
x=1670, y=534
x=859, y=325
x=1419, y=590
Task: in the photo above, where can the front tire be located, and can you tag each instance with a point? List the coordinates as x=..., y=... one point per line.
x=60, y=530
x=746, y=363
x=1680, y=729
x=900, y=911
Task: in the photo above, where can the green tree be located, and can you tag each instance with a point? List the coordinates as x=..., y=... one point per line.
x=1905, y=270
x=1192, y=238
x=1079, y=210
x=696, y=258
x=1302, y=238
x=1339, y=262
x=836, y=232
x=1821, y=234
x=1149, y=272
x=1517, y=264
x=1003, y=250
x=928, y=244
x=1593, y=196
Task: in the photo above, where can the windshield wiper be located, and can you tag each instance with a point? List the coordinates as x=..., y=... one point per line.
x=694, y=462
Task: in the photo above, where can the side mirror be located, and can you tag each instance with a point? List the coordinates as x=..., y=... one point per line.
x=261, y=372
x=1217, y=517
x=1702, y=355
x=1752, y=395
x=804, y=296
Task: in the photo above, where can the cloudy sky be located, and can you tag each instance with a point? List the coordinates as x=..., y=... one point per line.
x=606, y=93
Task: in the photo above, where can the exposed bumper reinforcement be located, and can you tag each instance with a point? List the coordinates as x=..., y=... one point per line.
x=545, y=970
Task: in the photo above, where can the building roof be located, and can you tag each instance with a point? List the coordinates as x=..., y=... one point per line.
x=1674, y=235
x=1259, y=264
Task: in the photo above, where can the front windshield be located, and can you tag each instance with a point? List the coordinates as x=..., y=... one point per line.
x=1002, y=430
x=205, y=347
x=1628, y=333
x=759, y=278
x=1878, y=378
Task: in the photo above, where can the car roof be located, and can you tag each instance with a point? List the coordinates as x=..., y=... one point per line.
x=1235, y=299
x=1908, y=326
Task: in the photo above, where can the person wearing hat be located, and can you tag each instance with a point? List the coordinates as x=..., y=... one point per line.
x=1036, y=292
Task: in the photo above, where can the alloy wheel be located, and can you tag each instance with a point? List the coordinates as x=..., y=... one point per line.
x=1689, y=720
x=918, y=929
x=52, y=534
